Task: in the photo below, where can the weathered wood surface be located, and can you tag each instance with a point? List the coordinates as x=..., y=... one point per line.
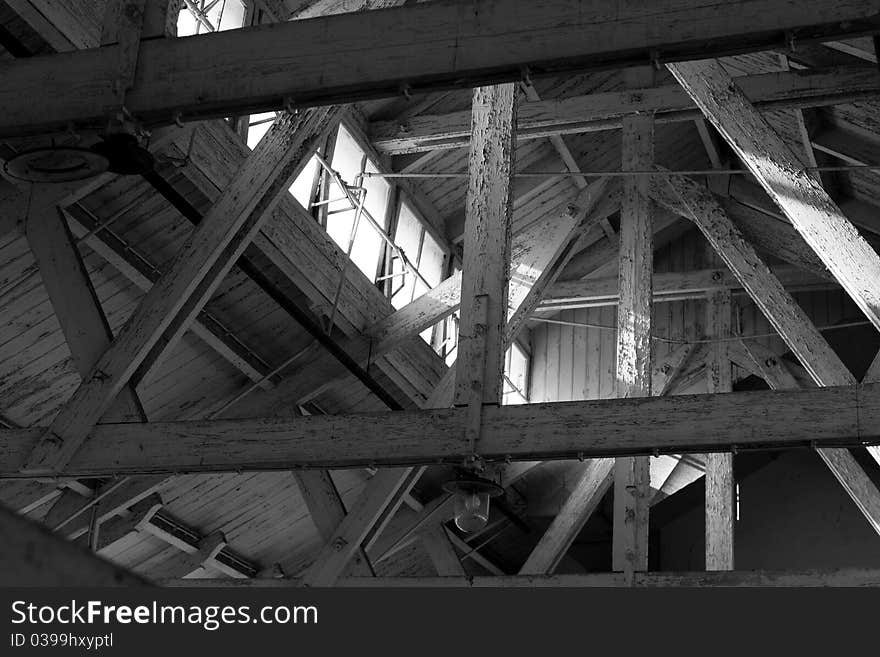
x=605, y=111
x=584, y=499
x=786, y=316
x=31, y=555
x=174, y=301
x=680, y=424
x=486, y=260
x=848, y=577
x=719, y=507
x=441, y=552
x=445, y=44
x=632, y=481
x=807, y=206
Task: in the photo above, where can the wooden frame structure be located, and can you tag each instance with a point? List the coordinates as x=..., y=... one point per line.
x=510, y=274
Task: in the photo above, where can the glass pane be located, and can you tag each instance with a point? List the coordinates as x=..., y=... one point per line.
x=378, y=191
x=302, y=186
x=407, y=237
x=259, y=126
x=431, y=262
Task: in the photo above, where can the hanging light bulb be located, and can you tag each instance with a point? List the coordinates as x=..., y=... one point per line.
x=471, y=499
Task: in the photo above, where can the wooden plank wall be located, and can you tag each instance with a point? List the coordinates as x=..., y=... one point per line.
x=571, y=363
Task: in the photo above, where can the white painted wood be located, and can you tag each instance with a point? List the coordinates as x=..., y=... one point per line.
x=719, y=507
x=807, y=206
x=486, y=248
x=632, y=479
x=786, y=316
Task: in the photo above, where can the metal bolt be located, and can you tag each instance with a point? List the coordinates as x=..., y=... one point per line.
x=339, y=544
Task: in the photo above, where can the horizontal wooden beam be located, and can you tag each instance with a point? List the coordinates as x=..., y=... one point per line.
x=839, y=577
x=420, y=47
x=823, y=417
x=31, y=555
x=605, y=111
x=668, y=286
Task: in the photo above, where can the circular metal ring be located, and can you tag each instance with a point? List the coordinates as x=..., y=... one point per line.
x=56, y=164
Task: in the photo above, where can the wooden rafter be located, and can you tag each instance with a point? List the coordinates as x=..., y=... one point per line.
x=203, y=76
x=694, y=423
x=605, y=111
x=807, y=206
x=174, y=301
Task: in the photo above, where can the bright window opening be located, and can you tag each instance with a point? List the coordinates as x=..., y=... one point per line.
x=202, y=16
x=516, y=373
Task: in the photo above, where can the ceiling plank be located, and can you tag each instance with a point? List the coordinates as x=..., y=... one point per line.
x=31, y=555
x=176, y=298
x=441, y=552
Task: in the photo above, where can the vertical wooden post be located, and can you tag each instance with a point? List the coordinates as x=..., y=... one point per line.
x=486, y=260
x=632, y=474
x=719, y=467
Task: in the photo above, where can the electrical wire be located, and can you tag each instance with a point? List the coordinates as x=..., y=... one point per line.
x=664, y=339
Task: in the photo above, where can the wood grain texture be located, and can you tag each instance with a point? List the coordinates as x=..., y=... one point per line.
x=606, y=111
x=719, y=507
x=586, y=495
x=629, y=550
x=486, y=262
x=445, y=44
x=442, y=552
x=807, y=206
x=31, y=555
x=182, y=291
x=529, y=432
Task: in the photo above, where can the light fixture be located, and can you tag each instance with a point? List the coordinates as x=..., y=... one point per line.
x=54, y=164
x=471, y=495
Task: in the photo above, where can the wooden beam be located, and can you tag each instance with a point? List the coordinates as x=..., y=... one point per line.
x=351, y=532
x=442, y=552
x=669, y=286
x=585, y=497
x=632, y=478
x=682, y=424
x=605, y=111
x=486, y=263
x=693, y=200
x=719, y=507
x=31, y=555
x=807, y=206
x=255, y=69
x=785, y=315
x=179, y=295
x=74, y=301
x=327, y=510
x=847, y=577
